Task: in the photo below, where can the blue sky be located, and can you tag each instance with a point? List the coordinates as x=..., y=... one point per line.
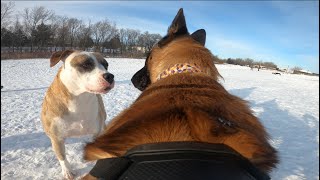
x=284, y=32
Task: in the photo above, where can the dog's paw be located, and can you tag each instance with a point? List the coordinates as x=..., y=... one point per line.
x=66, y=170
x=69, y=175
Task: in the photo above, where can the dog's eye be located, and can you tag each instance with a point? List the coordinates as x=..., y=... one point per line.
x=86, y=64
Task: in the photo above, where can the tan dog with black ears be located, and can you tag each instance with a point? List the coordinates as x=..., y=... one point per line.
x=73, y=105
x=182, y=100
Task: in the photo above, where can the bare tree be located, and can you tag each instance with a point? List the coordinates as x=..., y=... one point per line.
x=296, y=68
x=6, y=11
x=35, y=16
x=102, y=31
x=43, y=36
x=84, y=35
x=55, y=24
x=73, y=25
x=248, y=62
x=20, y=39
x=269, y=65
x=123, y=36
x=147, y=40
x=132, y=38
x=62, y=32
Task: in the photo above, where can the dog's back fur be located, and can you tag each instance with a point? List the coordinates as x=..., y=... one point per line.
x=212, y=115
x=185, y=107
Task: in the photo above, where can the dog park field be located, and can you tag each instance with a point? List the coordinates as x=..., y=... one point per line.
x=287, y=105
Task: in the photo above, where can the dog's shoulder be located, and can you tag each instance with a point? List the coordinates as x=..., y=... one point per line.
x=199, y=109
x=56, y=99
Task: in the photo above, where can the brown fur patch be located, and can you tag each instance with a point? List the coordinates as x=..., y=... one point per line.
x=79, y=59
x=53, y=105
x=59, y=55
x=187, y=108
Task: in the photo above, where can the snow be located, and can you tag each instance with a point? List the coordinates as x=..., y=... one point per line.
x=288, y=106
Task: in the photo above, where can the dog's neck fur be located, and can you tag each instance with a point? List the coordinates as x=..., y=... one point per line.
x=72, y=87
x=180, y=68
x=59, y=104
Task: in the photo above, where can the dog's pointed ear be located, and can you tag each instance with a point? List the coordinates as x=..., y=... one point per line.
x=178, y=25
x=199, y=36
x=60, y=55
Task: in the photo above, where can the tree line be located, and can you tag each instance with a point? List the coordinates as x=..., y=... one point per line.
x=39, y=29
x=250, y=62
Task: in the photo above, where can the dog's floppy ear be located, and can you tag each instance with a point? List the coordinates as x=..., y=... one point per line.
x=200, y=36
x=178, y=25
x=60, y=55
x=141, y=79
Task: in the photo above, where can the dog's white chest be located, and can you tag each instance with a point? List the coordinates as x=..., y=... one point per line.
x=82, y=118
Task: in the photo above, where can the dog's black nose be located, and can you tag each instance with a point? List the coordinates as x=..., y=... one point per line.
x=108, y=77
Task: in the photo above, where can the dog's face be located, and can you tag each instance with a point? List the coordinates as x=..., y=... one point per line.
x=84, y=70
x=178, y=46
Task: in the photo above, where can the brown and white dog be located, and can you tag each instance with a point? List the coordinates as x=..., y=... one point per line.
x=182, y=100
x=73, y=105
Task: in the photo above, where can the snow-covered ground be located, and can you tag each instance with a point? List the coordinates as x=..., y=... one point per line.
x=288, y=106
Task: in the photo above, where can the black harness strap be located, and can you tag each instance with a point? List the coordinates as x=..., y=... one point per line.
x=110, y=168
x=178, y=161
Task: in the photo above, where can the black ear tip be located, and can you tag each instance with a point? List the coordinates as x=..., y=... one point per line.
x=200, y=36
x=202, y=31
x=180, y=11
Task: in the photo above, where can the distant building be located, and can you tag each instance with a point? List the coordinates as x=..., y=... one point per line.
x=305, y=72
x=139, y=48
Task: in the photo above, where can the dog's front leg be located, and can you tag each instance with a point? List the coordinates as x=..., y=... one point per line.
x=59, y=148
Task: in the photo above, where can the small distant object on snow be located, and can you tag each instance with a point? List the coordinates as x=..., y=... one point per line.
x=276, y=73
x=1, y=86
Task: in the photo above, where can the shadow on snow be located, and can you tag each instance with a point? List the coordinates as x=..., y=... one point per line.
x=295, y=138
